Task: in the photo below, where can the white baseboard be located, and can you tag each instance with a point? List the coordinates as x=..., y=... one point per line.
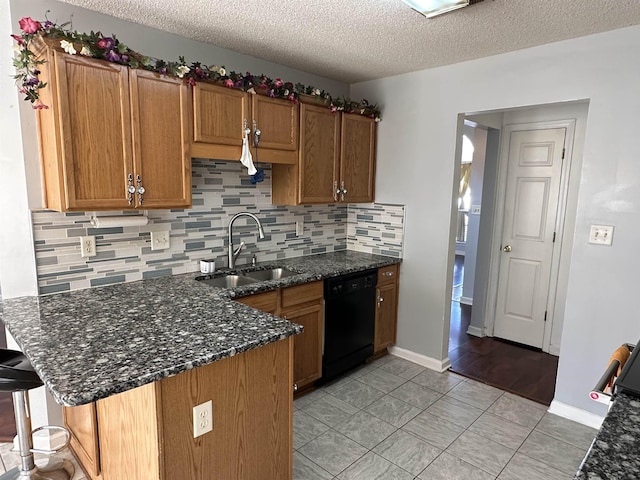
x=476, y=331
x=466, y=300
x=44, y=440
x=576, y=414
x=429, y=362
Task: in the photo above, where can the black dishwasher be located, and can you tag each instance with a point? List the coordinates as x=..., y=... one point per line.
x=348, y=322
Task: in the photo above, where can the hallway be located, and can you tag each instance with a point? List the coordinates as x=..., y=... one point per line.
x=514, y=368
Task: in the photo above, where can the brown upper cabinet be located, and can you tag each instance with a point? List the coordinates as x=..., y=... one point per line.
x=336, y=160
x=220, y=115
x=112, y=138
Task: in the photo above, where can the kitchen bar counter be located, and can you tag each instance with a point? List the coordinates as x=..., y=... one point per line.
x=91, y=344
x=615, y=452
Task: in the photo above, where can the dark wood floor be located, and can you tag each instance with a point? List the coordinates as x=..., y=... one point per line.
x=520, y=370
x=7, y=420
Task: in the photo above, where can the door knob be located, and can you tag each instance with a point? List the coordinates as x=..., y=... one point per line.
x=507, y=248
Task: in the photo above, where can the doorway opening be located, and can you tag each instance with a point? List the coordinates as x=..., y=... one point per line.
x=474, y=347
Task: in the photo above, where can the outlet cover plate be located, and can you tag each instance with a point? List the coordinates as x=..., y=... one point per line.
x=202, y=418
x=88, y=246
x=299, y=228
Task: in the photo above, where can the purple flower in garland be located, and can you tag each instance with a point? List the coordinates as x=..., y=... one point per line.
x=32, y=81
x=272, y=93
x=106, y=43
x=124, y=58
x=112, y=56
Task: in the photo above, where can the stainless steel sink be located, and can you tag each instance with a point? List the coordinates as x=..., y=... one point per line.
x=273, y=274
x=229, y=281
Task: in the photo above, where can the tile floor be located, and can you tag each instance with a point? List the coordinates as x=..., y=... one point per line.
x=395, y=420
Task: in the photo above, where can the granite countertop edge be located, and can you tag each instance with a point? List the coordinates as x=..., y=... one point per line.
x=107, y=362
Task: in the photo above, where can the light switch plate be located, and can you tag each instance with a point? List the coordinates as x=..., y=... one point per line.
x=160, y=240
x=202, y=418
x=601, y=234
x=475, y=209
x=299, y=228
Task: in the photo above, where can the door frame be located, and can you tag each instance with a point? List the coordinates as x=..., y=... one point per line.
x=498, y=223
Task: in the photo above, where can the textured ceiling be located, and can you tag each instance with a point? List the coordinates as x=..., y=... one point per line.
x=355, y=40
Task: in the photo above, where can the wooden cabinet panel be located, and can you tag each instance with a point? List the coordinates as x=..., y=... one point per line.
x=386, y=316
x=307, y=349
x=94, y=121
x=319, y=154
x=252, y=418
x=357, y=157
x=277, y=120
x=82, y=423
x=388, y=274
x=307, y=292
x=106, y=123
x=161, y=148
x=266, y=302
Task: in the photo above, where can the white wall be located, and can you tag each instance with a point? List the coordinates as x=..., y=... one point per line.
x=416, y=152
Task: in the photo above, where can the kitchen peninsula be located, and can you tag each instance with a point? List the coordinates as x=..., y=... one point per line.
x=147, y=352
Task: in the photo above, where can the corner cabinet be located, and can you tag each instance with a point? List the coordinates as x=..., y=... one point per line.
x=112, y=138
x=386, y=321
x=219, y=117
x=336, y=161
x=301, y=304
x=147, y=433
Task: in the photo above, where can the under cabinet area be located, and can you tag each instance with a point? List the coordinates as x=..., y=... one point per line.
x=112, y=138
x=220, y=115
x=336, y=160
x=147, y=433
x=301, y=304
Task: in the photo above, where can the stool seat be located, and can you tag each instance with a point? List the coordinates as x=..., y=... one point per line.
x=16, y=372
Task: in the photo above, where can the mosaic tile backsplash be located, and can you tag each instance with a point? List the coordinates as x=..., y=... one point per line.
x=220, y=190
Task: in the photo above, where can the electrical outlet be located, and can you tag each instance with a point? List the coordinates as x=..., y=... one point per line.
x=601, y=234
x=88, y=246
x=299, y=228
x=202, y=418
x=160, y=240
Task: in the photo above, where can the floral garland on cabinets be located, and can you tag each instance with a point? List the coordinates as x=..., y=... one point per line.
x=96, y=45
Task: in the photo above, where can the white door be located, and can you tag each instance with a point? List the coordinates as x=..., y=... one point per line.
x=531, y=205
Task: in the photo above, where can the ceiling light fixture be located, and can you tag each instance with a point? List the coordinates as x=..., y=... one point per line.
x=433, y=8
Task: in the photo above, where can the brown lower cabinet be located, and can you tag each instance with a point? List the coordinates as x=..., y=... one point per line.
x=301, y=304
x=386, y=322
x=147, y=432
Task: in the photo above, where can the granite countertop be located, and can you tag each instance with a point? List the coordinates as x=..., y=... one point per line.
x=90, y=344
x=615, y=452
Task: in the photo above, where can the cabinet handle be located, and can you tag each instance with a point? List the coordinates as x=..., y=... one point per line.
x=140, y=190
x=343, y=191
x=295, y=387
x=256, y=134
x=336, y=191
x=130, y=189
x=379, y=298
x=387, y=274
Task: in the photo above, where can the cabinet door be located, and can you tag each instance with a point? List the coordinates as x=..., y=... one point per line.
x=277, y=121
x=319, y=154
x=357, y=157
x=219, y=114
x=82, y=423
x=386, y=317
x=307, y=347
x=161, y=138
x=95, y=130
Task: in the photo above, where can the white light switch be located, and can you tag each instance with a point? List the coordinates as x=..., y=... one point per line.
x=299, y=228
x=475, y=209
x=601, y=234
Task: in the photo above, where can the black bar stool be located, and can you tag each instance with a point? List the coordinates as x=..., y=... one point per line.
x=17, y=376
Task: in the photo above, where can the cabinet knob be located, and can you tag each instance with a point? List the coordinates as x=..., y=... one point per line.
x=387, y=274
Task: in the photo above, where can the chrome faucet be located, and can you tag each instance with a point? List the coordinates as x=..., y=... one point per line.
x=233, y=254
